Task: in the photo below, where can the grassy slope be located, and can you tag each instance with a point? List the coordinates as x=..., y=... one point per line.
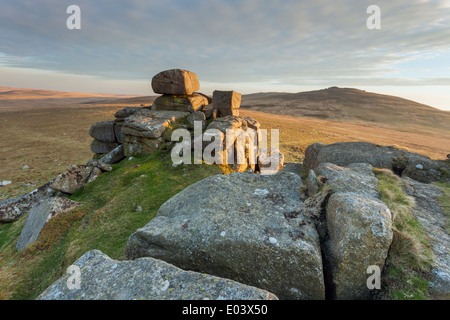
x=409, y=262
x=105, y=221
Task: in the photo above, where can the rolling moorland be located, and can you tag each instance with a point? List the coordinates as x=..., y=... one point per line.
x=44, y=132
x=47, y=130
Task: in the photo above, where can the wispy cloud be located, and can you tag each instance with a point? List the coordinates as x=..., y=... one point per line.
x=290, y=42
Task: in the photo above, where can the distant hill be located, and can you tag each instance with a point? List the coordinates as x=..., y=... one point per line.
x=8, y=93
x=351, y=105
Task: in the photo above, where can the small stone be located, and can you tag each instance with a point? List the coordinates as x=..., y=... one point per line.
x=25, y=167
x=5, y=183
x=273, y=240
x=223, y=233
x=419, y=166
x=138, y=209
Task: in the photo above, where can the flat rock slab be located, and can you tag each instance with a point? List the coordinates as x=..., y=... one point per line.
x=187, y=103
x=39, y=215
x=245, y=227
x=147, y=123
x=146, y=279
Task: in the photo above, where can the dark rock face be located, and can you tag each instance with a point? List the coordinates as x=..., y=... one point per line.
x=103, y=131
x=146, y=279
x=175, y=82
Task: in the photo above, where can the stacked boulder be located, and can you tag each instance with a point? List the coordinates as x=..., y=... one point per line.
x=178, y=91
x=141, y=130
x=105, y=139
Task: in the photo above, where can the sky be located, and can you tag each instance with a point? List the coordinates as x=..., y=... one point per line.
x=243, y=45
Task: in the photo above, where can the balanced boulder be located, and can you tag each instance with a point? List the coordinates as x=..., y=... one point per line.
x=175, y=82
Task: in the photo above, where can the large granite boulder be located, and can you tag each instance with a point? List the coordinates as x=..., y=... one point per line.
x=183, y=103
x=39, y=215
x=13, y=209
x=414, y=165
x=175, y=82
x=245, y=227
x=146, y=279
x=360, y=235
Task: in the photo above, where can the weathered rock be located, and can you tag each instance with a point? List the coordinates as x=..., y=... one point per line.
x=101, y=147
x=126, y=112
x=138, y=145
x=422, y=173
x=197, y=116
x=270, y=161
x=146, y=279
x=187, y=103
x=5, y=182
x=293, y=167
x=95, y=173
x=75, y=177
x=118, y=132
x=175, y=82
x=114, y=156
x=227, y=102
x=210, y=100
x=39, y=215
x=15, y=208
x=311, y=183
x=225, y=123
x=360, y=234
x=99, y=164
x=149, y=123
x=429, y=213
x=210, y=112
x=345, y=153
x=242, y=227
x=103, y=131
x=355, y=179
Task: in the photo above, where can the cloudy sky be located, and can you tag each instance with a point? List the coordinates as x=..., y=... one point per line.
x=245, y=45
